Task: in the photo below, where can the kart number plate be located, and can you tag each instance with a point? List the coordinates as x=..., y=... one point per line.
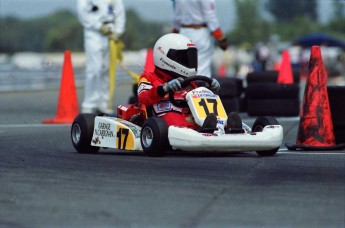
x=204, y=106
x=124, y=138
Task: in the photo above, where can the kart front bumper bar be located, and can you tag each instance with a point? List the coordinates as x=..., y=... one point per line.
x=190, y=140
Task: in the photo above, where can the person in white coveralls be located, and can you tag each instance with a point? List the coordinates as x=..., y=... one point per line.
x=197, y=20
x=102, y=20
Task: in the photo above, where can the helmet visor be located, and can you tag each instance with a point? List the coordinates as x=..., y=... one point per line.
x=187, y=57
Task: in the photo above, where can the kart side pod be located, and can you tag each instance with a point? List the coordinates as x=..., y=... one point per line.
x=111, y=132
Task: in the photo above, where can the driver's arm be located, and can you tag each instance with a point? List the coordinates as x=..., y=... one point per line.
x=172, y=85
x=148, y=92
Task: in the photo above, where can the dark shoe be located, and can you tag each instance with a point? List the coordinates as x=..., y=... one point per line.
x=210, y=124
x=137, y=120
x=234, y=124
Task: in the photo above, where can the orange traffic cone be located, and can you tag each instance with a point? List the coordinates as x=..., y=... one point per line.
x=285, y=75
x=149, y=65
x=315, y=130
x=67, y=108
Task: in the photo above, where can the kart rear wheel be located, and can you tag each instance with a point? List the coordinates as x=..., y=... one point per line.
x=81, y=133
x=154, y=137
x=258, y=126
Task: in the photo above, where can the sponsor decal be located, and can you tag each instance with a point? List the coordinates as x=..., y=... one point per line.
x=124, y=122
x=198, y=91
x=220, y=122
x=105, y=126
x=204, y=96
x=166, y=63
x=123, y=108
x=164, y=106
x=96, y=141
x=132, y=127
x=160, y=49
x=191, y=45
x=144, y=86
x=104, y=130
x=135, y=131
x=207, y=134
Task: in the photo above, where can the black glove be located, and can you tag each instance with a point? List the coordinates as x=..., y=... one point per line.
x=223, y=43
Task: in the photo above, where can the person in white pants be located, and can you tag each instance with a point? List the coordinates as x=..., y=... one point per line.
x=197, y=20
x=102, y=20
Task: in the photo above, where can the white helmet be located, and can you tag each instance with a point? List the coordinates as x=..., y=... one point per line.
x=176, y=53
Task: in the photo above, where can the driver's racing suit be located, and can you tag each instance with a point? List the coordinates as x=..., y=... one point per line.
x=160, y=105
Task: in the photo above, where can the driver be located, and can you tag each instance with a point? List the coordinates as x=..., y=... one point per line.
x=175, y=58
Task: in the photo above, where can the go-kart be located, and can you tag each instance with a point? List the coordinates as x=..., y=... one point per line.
x=131, y=129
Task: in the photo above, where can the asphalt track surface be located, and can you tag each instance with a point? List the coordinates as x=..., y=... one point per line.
x=46, y=183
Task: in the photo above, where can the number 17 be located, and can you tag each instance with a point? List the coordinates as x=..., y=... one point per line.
x=203, y=103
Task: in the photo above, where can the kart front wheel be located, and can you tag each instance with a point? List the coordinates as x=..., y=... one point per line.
x=154, y=137
x=258, y=126
x=81, y=133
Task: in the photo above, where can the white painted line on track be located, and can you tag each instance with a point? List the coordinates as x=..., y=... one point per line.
x=32, y=125
x=286, y=151
x=288, y=119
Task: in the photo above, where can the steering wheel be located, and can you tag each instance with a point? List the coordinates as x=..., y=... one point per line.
x=185, y=83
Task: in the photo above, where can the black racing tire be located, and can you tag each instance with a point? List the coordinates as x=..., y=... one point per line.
x=81, y=133
x=258, y=126
x=296, y=76
x=231, y=104
x=243, y=104
x=339, y=133
x=154, y=137
x=273, y=107
x=272, y=91
x=270, y=76
x=230, y=87
x=336, y=97
x=262, y=77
